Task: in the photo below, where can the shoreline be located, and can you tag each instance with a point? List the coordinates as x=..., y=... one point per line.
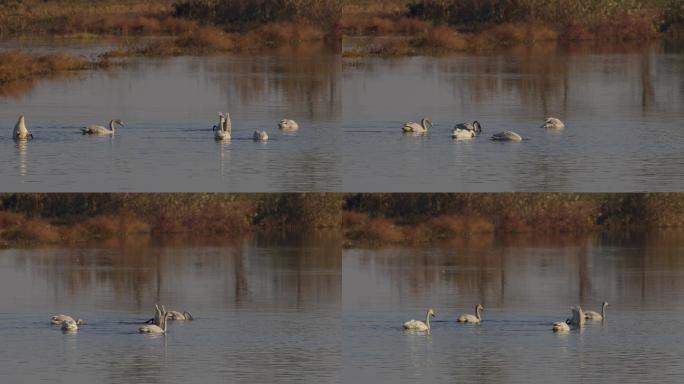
x=360, y=219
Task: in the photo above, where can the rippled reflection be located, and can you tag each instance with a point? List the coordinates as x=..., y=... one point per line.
x=622, y=104
x=525, y=284
x=266, y=309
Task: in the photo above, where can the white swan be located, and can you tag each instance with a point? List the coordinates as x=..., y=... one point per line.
x=466, y=130
x=412, y=127
x=100, y=130
x=417, y=325
x=468, y=318
x=20, y=131
x=288, y=125
x=561, y=326
x=156, y=328
x=507, y=136
x=576, y=321
x=260, y=135
x=592, y=315
x=553, y=123
x=60, y=318
x=69, y=326
x=176, y=315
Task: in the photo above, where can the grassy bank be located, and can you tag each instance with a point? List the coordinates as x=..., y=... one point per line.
x=255, y=24
x=363, y=218
x=15, y=65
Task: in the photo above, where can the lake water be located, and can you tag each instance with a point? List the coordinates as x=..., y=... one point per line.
x=624, y=108
x=309, y=310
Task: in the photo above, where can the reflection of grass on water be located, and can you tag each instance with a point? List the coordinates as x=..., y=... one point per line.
x=366, y=218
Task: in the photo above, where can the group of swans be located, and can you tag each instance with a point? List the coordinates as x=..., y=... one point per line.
x=419, y=326
x=466, y=131
x=156, y=325
x=579, y=316
x=222, y=131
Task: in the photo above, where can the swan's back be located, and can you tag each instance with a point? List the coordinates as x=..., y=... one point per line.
x=415, y=325
x=507, y=136
x=150, y=329
x=96, y=130
x=561, y=326
x=468, y=319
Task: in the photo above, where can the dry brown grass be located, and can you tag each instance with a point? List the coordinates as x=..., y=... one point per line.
x=17, y=65
x=362, y=227
x=17, y=227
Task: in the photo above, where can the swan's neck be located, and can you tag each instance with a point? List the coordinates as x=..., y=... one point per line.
x=603, y=311
x=425, y=124
x=427, y=320
x=111, y=125
x=477, y=312
x=21, y=126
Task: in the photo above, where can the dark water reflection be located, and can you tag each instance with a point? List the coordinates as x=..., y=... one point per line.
x=302, y=308
x=622, y=104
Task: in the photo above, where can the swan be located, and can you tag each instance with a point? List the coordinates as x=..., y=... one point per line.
x=417, y=325
x=288, y=125
x=220, y=125
x=592, y=315
x=576, y=321
x=154, y=328
x=176, y=315
x=60, y=318
x=156, y=320
x=412, y=127
x=20, y=131
x=507, y=136
x=561, y=326
x=69, y=326
x=466, y=130
x=553, y=123
x=472, y=318
x=100, y=130
x=260, y=135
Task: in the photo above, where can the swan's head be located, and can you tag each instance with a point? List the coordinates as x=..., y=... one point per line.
x=605, y=303
x=187, y=315
x=21, y=117
x=79, y=321
x=479, y=307
x=431, y=312
x=477, y=126
x=428, y=121
x=120, y=122
x=69, y=326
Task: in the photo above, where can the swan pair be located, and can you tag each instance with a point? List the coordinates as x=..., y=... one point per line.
x=579, y=317
x=66, y=322
x=419, y=326
x=550, y=123
x=465, y=131
x=285, y=125
x=98, y=130
x=576, y=321
x=223, y=131
x=160, y=318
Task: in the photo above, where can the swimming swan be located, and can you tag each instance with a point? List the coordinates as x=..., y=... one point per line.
x=466, y=130
x=69, y=326
x=417, y=325
x=576, y=321
x=100, y=130
x=60, y=318
x=507, y=136
x=154, y=328
x=288, y=125
x=20, y=131
x=156, y=320
x=260, y=135
x=472, y=318
x=176, y=315
x=553, y=123
x=412, y=127
x=592, y=315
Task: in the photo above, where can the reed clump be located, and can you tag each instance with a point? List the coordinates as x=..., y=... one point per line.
x=16, y=65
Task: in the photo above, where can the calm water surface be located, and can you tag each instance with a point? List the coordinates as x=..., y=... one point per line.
x=308, y=310
x=624, y=108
